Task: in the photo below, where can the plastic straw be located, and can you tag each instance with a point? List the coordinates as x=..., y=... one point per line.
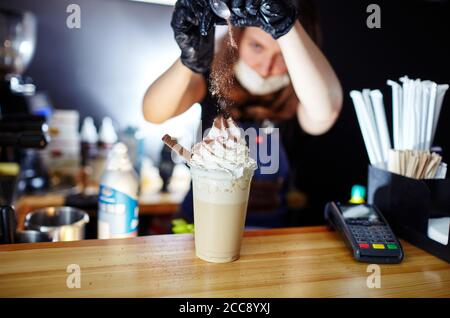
x=396, y=113
x=417, y=104
x=424, y=117
x=364, y=125
x=411, y=117
x=441, y=89
x=405, y=115
x=381, y=123
x=431, y=111
x=416, y=107
x=369, y=110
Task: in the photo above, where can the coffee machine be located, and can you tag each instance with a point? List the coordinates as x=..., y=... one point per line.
x=18, y=94
x=23, y=110
x=23, y=116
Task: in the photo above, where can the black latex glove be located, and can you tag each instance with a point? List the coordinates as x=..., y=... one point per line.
x=193, y=25
x=276, y=17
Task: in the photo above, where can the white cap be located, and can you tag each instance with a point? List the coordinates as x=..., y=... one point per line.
x=107, y=133
x=119, y=149
x=118, y=158
x=88, y=131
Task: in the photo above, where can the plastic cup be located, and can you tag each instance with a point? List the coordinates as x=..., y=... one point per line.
x=220, y=209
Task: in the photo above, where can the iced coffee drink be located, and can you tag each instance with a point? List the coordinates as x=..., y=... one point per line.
x=221, y=170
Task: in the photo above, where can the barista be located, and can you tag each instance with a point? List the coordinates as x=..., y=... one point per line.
x=280, y=76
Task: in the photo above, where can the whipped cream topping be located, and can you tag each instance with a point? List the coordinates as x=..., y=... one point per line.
x=224, y=148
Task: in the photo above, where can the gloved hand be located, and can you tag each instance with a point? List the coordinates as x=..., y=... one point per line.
x=276, y=17
x=193, y=25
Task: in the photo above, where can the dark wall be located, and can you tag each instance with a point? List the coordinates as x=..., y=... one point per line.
x=105, y=67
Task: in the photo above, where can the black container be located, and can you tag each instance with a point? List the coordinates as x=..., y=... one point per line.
x=408, y=204
x=7, y=224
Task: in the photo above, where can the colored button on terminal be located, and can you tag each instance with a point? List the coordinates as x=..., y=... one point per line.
x=392, y=246
x=378, y=246
x=363, y=245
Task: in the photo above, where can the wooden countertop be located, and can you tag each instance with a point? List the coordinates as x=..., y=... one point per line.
x=149, y=204
x=296, y=262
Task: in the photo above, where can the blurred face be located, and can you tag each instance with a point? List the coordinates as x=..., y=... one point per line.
x=261, y=52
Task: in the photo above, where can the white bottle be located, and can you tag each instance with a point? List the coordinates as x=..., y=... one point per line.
x=89, y=140
x=107, y=133
x=107, y=137
x=88, y=131
x=118, y=196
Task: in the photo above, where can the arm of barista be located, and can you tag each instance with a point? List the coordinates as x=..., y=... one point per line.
x=174, y=92
x=314, y=81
